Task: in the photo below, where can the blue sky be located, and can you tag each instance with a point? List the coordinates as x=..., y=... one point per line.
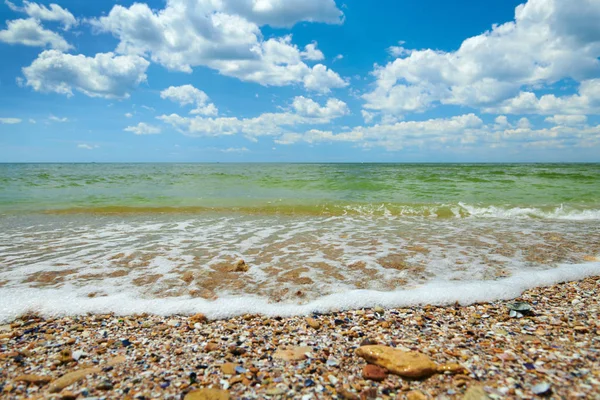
x=299, y=80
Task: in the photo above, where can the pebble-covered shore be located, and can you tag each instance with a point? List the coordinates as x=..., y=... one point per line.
x=466, y=352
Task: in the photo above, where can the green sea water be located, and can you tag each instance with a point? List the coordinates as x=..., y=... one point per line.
x=162, y=238
x=411, y=189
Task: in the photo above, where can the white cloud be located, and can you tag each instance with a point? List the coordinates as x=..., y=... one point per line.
x=303, y=111
x=309, y=108
x=42, y=13
x=29, y=32
x=567, y=120
x=549, y=40
x=143, y=129
x=464, y=131
x=338, y=57
x=32, y=121
x=219, y=35
x=10, y=121
x=58, y=119
x=235, y=150
x=187, y=94
x=104, y=75
x=524, y=123
x=312, y=53
x=128, y=115
x=284, y=13
x=397, y=135
x=586, y=101
x=87, y=146
x=399, y=51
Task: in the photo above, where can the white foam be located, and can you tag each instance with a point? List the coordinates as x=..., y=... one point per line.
x=70, y=301
x=530, y=212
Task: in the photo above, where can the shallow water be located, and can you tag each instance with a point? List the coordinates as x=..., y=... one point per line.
x=168, y=235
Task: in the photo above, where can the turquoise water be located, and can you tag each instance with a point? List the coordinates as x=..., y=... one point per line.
x=298, y=188
x=163, y=238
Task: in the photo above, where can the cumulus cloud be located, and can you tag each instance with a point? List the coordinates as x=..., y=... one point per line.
x=128, y=115
x=285, y=13
x=586, y=101
x=548, y=40
x=224, y=36
x=567, y=120
x=187, y=94
x=10, y=121
x=40, y=12
x=29, y=32
x=303, y=111
x=312, y=53
x=104, y=75
x=464, y=131
x=143, y=129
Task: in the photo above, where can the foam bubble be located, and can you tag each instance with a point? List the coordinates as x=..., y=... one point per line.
x=67, y=301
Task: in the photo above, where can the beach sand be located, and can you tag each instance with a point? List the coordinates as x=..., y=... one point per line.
x=554, y=352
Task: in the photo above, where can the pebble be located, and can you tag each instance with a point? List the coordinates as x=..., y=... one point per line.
x=292, y=353
x=475, y=393
x=408, y=364
x=374, y=373
x=35, y=379
x=70, y=378
x=240, y=266
x=313, y=323
x=105, y=385
x=207, y=394
x=415, y=395
x=541, y=389
x=229, y=368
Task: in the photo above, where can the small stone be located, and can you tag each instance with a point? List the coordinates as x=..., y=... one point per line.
x=313, y=323
x=408, y=364
x=173, y=323
x=581, y=329
x=452, y=369
x=104, y=386
x=475, y=393
x=374, y=373
x=65, y=356
x=332, y=379
x=275, y=391
x=541, y=389
x=237, y=351
x=70, y=378
x=228, y=368
x=240, y=266
x=212, y=347
x=415, y=395
x=77, y=354
x=207, y=394
x=379, y=310
x=35, y=379
x=292, y=353
x=369, y=393
x=67, y=395
x=347, y=395
x=198, y=318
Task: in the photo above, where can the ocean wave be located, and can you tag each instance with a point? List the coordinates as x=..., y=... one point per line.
x=69, y=301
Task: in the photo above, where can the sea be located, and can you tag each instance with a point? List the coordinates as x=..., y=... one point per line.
x=167, y=238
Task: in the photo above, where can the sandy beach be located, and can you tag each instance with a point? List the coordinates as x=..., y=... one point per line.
x=473, y=351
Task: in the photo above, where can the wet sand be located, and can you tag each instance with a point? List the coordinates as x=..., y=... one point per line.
x=554, y=351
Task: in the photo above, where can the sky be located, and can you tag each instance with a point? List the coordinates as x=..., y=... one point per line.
x=300, y=81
